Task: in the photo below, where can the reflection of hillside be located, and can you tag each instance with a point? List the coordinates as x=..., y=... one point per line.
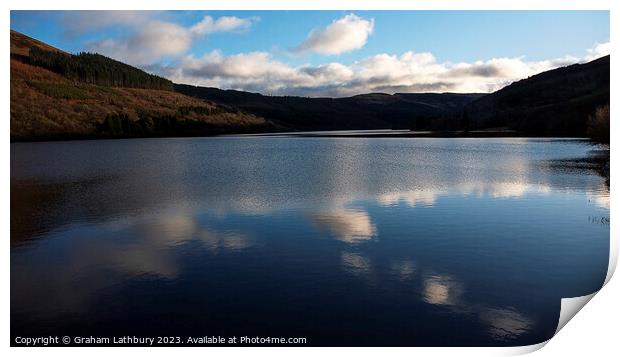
x=37, y=208
x=27, y=204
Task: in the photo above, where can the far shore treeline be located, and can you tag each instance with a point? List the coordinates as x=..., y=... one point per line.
x=56, y=95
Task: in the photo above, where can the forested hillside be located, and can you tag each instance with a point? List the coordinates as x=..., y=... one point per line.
x=557, y=102
x=55, y=95
x=94, y=68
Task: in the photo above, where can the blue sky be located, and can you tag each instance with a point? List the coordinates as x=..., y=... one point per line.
x=331, y=52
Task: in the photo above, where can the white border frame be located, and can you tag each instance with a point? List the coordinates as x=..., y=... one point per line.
x=597, y=324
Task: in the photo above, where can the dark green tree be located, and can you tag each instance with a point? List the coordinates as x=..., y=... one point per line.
x=96, y=69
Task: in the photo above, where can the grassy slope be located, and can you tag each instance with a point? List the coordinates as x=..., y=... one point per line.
x=45, y=105
x=21, y=44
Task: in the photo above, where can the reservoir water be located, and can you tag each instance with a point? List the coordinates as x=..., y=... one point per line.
x=343, y=241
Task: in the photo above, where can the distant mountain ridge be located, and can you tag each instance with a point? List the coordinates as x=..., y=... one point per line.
x=364, y=111
x=553, y=103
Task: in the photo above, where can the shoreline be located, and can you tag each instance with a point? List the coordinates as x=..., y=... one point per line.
x=347, y=133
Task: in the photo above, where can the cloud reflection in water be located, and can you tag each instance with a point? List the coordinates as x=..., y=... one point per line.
x=355, y=263
x=404, y=269
x=410, y=198
x=348, y=225
x=442, y=290
x=96, y=257
x=505, y=323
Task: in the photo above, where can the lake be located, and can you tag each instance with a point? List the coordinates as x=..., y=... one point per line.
x=342, y=241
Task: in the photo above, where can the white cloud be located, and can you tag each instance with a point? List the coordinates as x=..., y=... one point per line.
x=599, y=50
x=250, y=66
x=256, y=71
x=408, y=72
x=154, y=39
x=151, y=38
x=343, y=35
x=222, y=24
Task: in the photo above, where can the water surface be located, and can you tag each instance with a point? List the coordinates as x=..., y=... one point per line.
x=344, y=241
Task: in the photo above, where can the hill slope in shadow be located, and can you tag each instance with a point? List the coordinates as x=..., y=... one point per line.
x=365, y=111
x=556, y=102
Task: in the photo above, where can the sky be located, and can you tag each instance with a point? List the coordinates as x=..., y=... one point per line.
x=331, y=53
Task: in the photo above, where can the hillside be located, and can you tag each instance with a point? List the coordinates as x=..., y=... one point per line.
x=553, y=103
x=556, y=102
x=71, y=97
x=57, y=95
x=21, y=45
x=366, y=111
